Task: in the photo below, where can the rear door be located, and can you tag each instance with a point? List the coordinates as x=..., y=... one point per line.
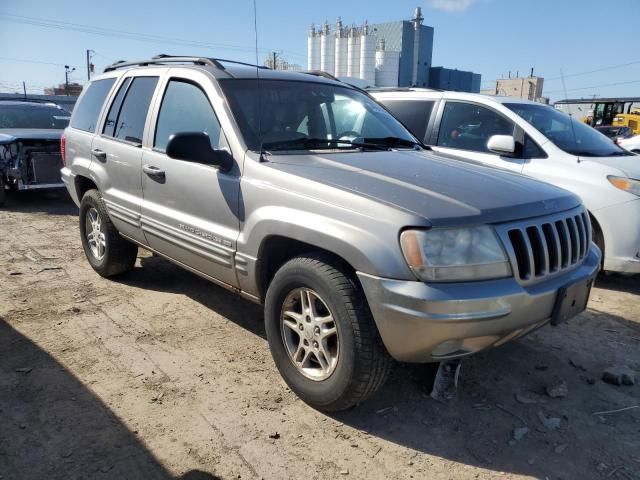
x=190, y=210
x=117, y=150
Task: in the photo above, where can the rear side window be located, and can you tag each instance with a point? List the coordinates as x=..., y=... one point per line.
x=128, y=123
x=467, y=126
x=415, y=114
x=185, y=108
x=85, y=114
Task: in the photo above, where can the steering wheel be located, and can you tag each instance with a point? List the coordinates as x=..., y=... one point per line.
x=349, y=133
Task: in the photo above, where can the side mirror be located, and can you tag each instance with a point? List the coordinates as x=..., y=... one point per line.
x=502, y=144
x=196, y=147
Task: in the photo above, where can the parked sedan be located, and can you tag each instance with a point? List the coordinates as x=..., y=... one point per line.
x=30, y=145
x=631, y=144
x=615, y=133
x=536, y=140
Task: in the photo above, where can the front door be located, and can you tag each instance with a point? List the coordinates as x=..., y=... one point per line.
x=465, y=129
x=190, y=210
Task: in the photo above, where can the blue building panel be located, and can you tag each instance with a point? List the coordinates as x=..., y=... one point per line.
x=456, y=80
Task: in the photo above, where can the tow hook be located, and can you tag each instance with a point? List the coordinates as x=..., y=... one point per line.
x=445, y=385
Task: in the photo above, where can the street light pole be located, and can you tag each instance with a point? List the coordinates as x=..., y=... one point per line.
x=67, y=71
x=89, y=52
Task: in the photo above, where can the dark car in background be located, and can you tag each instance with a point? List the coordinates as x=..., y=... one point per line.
x=30, y=134
x=615, y=133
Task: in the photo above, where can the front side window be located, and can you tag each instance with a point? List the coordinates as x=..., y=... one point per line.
x=33, y=116
x=466, y=126
x=86, y=112
x=285, y=114
x=414, y=114
x=128, y=123
x=185, y=108
x=568, y=134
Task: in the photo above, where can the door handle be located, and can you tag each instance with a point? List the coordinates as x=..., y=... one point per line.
x=99, y=154
x=153, y=172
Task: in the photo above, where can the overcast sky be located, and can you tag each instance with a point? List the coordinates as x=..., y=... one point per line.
x=491, y=37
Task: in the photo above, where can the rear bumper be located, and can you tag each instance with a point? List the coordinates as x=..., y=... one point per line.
x=422, y=322
x=620, y=225
x=69, y=181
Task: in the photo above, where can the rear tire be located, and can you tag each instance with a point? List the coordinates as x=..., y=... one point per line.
x=357, y=364
x=107, y=252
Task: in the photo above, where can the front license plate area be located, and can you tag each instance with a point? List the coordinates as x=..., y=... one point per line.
x=571, y=300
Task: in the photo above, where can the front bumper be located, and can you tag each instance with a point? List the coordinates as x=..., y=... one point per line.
x=421, y=322
x=620, y=225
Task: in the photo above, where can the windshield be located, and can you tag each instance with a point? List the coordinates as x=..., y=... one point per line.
x=33, y=116
x=567, y=133
x=297, y=115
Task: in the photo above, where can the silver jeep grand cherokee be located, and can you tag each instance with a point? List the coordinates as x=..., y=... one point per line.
x=303, y=193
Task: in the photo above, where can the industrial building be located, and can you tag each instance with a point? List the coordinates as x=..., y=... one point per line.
x=392, y=54
x=528, y=88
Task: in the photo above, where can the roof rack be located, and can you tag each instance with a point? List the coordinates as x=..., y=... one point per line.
x=163, y=59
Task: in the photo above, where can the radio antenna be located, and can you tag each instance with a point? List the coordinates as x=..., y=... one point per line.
x=255, y=30
x=573, y=130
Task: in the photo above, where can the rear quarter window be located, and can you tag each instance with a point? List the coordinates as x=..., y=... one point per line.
x=86, y=113
x=414, y=114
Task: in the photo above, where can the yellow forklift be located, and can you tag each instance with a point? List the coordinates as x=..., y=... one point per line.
x=617, y=112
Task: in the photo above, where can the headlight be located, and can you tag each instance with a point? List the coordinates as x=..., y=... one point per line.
x=630, y=185
x=455, y=254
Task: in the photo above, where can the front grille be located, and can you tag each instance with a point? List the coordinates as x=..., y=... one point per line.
x=545, y=246
x=46, y=167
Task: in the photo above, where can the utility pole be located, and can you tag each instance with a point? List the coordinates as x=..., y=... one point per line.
x=89, y=64
x=24, y=89
x=275, y=65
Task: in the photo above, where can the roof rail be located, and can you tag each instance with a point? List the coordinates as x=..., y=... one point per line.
x=25, y=99
x=163, y=58
x=321, y=73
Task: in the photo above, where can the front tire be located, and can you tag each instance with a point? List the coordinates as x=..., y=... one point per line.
x=322, y=336
x=3, y=191
x=107, y=252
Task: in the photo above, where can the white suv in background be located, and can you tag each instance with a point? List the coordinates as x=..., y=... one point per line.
x=536, y=140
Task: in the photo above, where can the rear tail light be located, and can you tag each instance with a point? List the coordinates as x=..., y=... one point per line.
x=63, y=149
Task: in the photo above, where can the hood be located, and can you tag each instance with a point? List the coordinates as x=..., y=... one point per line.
x=8, y=135
x=441, y=189
x=629, y=165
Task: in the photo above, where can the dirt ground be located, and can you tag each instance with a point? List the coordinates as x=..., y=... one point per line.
x=162, y=375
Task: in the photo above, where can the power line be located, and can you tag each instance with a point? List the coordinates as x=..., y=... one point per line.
x=596, y=86
x=108, y=32
x=22, y=60
x=603, y=69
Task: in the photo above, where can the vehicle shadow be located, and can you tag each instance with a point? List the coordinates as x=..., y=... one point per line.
x=477, y=428
x=161, y=275
x=619, y=283
x=55, y=427
x=52, y=202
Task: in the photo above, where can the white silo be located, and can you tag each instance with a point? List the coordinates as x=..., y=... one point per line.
x=367, y=55
x=353, y=53
x=341, y=50
x=313, y=49
x=327, y=50
x=387, y=67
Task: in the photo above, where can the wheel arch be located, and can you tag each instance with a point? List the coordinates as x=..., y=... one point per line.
x=276, y=250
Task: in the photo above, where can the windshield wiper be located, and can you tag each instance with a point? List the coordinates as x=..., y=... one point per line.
x=317, y=143
x=394, y=142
